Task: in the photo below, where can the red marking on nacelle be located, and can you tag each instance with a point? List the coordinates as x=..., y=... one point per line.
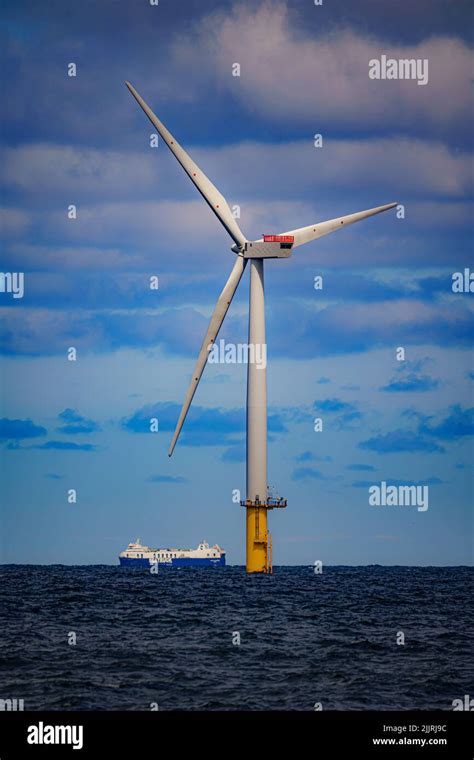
x=278, y=239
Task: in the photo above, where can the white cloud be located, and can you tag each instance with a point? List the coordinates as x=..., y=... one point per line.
x=293, y=75
x=76, y=171
x=246, y=170
x=42, y=257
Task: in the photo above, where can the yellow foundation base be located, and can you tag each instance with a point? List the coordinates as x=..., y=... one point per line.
x=259, y=559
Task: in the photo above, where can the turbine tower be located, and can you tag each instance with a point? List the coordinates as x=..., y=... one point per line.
x=258, y=501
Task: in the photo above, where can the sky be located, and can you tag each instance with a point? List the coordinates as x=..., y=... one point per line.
x=333, y=353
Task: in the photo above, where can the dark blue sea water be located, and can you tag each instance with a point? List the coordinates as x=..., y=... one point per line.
x=168, y=638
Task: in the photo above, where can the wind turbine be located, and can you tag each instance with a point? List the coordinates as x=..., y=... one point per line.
x=257, y=502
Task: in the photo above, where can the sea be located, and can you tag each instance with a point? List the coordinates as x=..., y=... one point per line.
x=347, y=638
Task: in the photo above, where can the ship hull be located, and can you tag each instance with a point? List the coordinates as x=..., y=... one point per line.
x=175, y=562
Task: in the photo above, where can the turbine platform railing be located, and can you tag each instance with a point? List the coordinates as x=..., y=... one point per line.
x=270, y=503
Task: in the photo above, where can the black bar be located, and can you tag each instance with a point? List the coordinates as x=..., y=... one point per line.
x=324, y=734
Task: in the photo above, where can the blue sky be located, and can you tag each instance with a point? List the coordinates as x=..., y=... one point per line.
x=332, y=352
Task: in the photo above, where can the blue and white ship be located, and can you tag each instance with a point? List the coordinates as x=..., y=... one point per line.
x=136, y=555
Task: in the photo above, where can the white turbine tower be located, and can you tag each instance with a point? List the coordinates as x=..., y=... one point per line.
x=257, y=503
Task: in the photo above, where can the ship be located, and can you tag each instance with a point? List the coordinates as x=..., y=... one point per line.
x=137, y=555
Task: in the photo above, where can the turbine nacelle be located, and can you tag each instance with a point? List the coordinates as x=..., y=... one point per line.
x=267, y=247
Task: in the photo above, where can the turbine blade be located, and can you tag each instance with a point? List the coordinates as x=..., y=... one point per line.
x=217, y=319
x=305, y=234
x=209, y=192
